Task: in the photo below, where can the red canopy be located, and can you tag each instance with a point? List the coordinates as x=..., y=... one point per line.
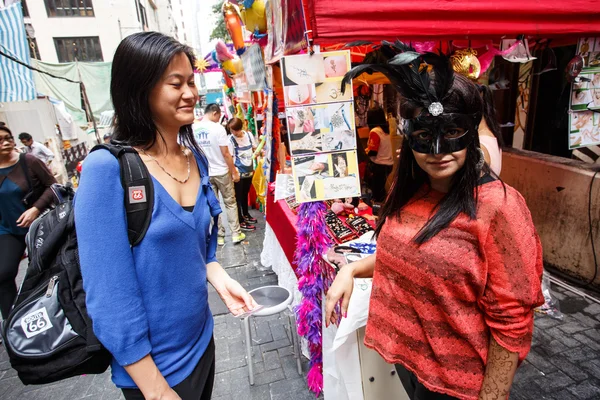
x=343, y=21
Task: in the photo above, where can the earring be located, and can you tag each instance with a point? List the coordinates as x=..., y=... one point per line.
x=481, y=160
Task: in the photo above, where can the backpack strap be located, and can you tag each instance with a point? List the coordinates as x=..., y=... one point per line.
x=23, y=163
x=138, y=187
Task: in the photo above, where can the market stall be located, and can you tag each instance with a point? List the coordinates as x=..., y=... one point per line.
x=305, y=60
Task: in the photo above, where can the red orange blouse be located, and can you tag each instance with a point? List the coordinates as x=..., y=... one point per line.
x=434, y=306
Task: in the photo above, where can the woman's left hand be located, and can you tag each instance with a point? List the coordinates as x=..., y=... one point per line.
x=236, y=298
x=27, y=218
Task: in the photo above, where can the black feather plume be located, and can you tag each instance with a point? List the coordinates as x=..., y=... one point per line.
x=409, y=72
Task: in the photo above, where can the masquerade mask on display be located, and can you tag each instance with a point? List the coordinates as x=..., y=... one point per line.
x=441, y=134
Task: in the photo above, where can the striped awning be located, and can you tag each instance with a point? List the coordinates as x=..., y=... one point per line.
x=16, y=81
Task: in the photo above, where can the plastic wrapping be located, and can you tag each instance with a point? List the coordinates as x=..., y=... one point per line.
x=551, y=306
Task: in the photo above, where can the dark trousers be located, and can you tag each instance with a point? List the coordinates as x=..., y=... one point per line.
x=416, y=390
x=197, y=386
x=379, y=175
x=12, y=248
x=242, y=188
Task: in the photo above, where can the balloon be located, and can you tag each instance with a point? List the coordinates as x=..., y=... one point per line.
x=465, y=62
x=233, y=23
x=255, y=17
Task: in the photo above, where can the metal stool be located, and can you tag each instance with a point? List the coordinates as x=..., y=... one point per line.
x=274, y=299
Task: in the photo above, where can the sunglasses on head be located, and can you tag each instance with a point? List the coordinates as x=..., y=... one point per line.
x=442, y=134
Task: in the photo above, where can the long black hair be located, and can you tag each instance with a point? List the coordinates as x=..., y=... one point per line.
x=138, y=64
x=462, y=97
x=489, y=113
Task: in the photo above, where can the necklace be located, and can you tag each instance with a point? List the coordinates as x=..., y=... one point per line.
x=187, y=157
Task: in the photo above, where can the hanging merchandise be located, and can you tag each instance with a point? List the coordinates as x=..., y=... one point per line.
x=315, y=277
x=584, y=127
x=465, y=62
x=519, y=53
x=233, y=23
x=274, y=48
x=294, y=27
x=254, y=67
x=254, y=16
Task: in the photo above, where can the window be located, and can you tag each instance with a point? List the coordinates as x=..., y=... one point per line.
x=143, y=16
x=78, y=48
x=69, y=8
x=25, y=9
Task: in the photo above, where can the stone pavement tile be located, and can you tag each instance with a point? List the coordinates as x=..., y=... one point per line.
x=572, y=326
x=290, y=369
x=540, y=362
x=566, y=339
x=279, y=331
x=274, y=345
x=564, y=395
x=271, y=376
x=258, y=392
x=592, y=367
x=527, y=373
x=593, y=309
x=221, y=385
x=239, y=381
x=586, y=320
x=271, y=360
x=543, y=322
x=579, y=354
x=224, y=397
x=575, y=372
x=263, y=331
x=553, y=382
x=586, y=390
x=586, y=337
x=291, y=389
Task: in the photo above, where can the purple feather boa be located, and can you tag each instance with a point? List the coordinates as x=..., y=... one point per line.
x=312, y=242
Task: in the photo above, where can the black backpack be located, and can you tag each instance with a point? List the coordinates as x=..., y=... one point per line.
x=48, y=334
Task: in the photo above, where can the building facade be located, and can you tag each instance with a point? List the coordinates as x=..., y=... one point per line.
x=90, y=30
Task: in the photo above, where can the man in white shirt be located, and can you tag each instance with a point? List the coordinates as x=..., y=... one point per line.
x=36, y=148
x=212, y=137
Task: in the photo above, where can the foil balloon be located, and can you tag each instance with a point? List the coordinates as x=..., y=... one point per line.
x=233, y=23
x=255, y=17
x=465, y=62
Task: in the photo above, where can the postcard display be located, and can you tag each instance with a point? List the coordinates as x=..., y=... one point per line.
x=585, y=97
x=320, y=120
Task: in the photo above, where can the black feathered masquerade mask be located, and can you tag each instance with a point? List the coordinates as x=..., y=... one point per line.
x=432, y=131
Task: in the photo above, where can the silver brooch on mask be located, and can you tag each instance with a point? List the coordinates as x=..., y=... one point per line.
x=435, y=108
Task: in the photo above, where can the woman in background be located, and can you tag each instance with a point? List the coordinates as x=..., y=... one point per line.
x=243, y=145
x=25, y=193
x=379, y=149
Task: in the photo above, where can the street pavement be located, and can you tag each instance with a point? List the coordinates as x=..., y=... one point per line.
x=564, y=362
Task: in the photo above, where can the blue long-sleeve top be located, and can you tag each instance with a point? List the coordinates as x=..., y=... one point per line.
x=152, y=298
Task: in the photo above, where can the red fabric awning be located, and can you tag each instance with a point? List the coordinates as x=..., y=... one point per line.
x=343, y=21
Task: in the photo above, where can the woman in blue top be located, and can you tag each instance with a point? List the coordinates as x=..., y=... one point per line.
x=149, y=303
x=24, y=193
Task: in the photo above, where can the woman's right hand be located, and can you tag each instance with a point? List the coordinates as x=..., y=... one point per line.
x=341, y=288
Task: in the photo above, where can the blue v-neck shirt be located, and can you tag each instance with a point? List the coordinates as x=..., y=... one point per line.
x=151, y=299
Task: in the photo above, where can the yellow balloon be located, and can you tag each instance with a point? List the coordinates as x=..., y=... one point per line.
x=255, y=17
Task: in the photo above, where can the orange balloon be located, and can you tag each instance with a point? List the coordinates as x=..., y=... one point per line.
x=233, y=23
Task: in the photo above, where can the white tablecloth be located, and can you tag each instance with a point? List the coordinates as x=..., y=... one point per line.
x=341, y=362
